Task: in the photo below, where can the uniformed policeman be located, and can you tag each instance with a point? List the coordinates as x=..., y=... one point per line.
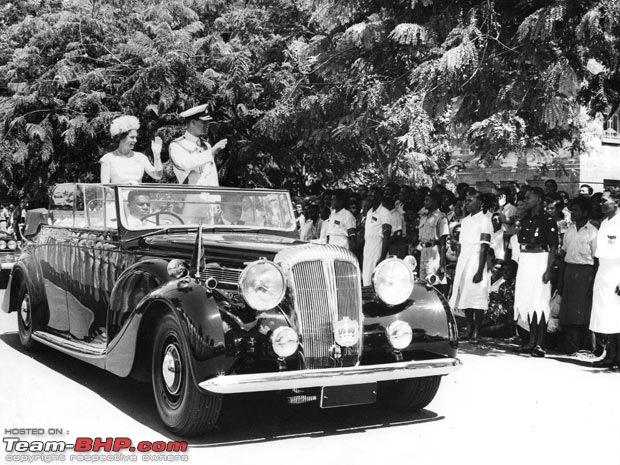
x=192, y=157
x=433, y=233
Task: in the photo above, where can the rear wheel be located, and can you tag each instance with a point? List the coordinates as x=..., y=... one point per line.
x=184, y=409
x=409, y=395
x=26, y=314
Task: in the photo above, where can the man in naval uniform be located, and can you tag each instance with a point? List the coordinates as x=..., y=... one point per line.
x=192, y=157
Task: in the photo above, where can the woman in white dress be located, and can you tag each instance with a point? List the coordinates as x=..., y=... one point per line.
x=123, y=165
x=605, y=317
x=470, y=293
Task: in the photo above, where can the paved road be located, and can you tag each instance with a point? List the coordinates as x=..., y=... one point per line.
x=487, y=413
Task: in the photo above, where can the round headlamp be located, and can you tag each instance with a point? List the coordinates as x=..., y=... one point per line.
x=393, y=281
x=262, y=285
x=399, y=334
x=177, y=268
x=284, y=341
x=2, y=245
x=12, y=244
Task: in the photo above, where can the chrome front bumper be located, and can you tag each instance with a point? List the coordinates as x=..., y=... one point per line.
x=282, y=380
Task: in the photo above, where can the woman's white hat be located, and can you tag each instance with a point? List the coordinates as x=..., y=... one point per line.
x=123, y=124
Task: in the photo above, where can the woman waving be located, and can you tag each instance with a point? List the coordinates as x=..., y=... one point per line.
x=123, y=165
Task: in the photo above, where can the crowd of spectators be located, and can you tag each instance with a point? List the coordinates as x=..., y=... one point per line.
x=12, y=218
x=516, y=262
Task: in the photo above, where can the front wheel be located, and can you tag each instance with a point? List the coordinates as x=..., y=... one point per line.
x=26, y=315
x=184, y=409
x=409, y=395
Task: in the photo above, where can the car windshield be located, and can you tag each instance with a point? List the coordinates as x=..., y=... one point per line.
x=149, y=208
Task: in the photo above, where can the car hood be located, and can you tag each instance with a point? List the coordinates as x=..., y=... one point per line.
x=231, y=248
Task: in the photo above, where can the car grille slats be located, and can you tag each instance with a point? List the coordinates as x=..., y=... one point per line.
x=348, y=289
x=314, y=321
x=325, y=287
x=223, y=275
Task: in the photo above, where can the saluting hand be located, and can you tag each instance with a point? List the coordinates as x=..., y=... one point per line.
x=220, y=145
x=156, y=146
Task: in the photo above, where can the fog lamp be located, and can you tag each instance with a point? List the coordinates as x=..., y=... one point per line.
x=177, y=268
x=262, y=285
x=2, y=245
x=12, y=244
x=399, y=334
x=393, y=281
x=284, y=341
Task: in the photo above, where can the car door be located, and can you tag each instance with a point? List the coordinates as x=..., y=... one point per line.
x=50, y=251
x=93, y=249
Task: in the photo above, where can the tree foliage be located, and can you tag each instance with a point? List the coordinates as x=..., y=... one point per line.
x=305, y=90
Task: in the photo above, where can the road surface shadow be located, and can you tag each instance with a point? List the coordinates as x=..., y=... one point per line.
x=489, y=347
x=247, y=418
x=264, y=417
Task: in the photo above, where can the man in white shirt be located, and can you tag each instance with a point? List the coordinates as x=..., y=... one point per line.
x=376, y=234
x=341, y=226
x=433, y=232
x=577, y=273
x=192, y=157
x=397, y=241
x=138, y=206
x=311, y=228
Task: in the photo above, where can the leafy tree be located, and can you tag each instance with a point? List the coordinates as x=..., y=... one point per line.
x=305, y=90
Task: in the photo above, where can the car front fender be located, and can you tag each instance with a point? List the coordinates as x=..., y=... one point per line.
x=428, y=314
x=25, y=269
x=198, y=314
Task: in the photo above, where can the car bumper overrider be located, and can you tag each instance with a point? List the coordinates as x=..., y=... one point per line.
x=233, y=384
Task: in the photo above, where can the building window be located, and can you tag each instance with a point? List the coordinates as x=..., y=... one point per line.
x=611, y=134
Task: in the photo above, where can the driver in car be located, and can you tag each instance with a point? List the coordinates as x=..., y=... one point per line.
x=139, y=206
x=231, y=211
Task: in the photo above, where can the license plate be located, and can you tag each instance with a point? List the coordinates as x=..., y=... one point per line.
x=341, y=396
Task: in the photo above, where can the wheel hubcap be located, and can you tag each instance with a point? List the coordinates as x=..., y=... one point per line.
x=24, y=311
x=171, y=369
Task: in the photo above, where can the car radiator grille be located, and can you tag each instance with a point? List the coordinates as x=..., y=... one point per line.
x=325, y=287
x=223, y=275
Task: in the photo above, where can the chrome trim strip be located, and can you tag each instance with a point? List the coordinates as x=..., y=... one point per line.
x=68, y=346
x=233, y=384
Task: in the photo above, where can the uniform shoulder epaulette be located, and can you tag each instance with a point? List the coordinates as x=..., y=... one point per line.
x=179, y=139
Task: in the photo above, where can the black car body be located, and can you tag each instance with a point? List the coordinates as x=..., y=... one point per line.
x=211, y=293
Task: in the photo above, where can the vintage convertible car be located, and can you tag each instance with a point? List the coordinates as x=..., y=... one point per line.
x=207, y=291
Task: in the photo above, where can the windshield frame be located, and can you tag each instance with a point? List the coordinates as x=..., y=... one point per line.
x=283, y=197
